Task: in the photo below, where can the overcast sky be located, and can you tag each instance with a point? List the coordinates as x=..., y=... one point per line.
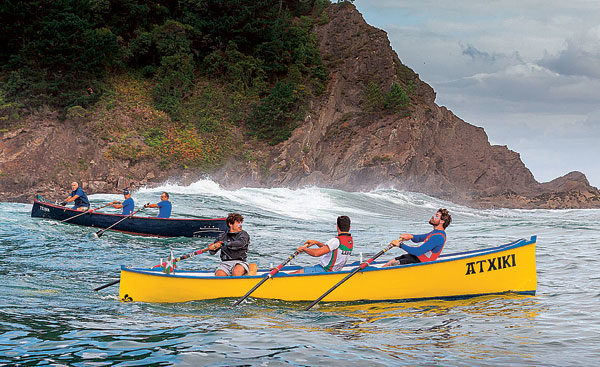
x=526, y=71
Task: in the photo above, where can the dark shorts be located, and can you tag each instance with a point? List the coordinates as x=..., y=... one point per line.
x=407, y=259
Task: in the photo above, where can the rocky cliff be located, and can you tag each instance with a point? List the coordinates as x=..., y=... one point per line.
x=430, y=151
x=424, y=149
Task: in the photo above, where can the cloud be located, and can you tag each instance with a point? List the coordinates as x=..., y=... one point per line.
x=580, y=57
x=476, y=54
x=529, y=85
x=527, y=71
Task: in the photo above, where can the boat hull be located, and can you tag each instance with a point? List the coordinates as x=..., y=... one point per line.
x=137, y=225
x=506, y=268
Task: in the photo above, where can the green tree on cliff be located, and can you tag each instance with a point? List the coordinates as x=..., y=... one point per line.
x=397, y=99
x=373, y=98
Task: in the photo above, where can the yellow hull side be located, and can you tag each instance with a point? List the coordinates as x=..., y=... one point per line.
x=511, y=270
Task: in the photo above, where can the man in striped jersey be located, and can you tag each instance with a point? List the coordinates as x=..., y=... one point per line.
x=333, y=254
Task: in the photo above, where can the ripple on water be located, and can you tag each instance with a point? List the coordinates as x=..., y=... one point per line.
x=51, y=315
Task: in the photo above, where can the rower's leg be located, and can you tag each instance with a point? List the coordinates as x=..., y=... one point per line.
x=221, y=273
x=392, y=262
x=238, y=271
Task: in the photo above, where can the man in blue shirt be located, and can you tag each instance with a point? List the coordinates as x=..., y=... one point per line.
x=127, y=204
x=433, y=242
x=164, y=206
x=80, y=199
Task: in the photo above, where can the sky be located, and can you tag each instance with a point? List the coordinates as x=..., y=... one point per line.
x=526, y=71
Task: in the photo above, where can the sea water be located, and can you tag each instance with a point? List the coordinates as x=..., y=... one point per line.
x=50, y=315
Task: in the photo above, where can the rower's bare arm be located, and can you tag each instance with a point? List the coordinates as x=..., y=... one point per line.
x=316, y=252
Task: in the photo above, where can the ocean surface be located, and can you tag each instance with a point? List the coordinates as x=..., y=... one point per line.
x=50, y=315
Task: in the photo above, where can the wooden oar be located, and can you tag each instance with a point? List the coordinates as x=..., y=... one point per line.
x=85, y=212
x=156, y=266
x=101, y=232
x=268, y=276
x=107, y=285
x=182, y=257
x=361, y=267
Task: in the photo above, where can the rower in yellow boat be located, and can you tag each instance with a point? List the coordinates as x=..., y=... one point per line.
x=433, y=242
x=234, y=248
x=334, y=254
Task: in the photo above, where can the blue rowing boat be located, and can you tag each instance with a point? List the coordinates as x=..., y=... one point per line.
x=136, y=225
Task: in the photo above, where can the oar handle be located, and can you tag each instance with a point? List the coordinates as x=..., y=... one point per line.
x=267, y=277
x=280, y=266
x=182, y=257
x=156, y=266
x=359, y=268
x=85, y=212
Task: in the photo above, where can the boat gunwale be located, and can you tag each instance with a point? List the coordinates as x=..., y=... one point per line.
x=45, y=203
x=449, y=257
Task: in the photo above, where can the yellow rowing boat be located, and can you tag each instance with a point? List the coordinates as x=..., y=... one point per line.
x=506, y=268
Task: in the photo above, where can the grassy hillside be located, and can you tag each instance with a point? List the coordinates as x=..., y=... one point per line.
x=185, y=81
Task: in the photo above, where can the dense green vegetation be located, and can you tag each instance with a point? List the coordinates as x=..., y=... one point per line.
x=396, y=100
x=259, y=55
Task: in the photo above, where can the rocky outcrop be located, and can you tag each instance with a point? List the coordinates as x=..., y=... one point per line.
x=425, y=149
x=430, y=151
x=45, y=156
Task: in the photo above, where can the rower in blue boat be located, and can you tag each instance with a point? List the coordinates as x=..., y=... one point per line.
x=234, y=248
x=334, y=254
x=128, y=204
x=164, y=206
x=78, y=197
x=433, y=242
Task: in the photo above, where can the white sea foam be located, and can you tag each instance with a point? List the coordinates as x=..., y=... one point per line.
x=309, y=203
x=315, y=203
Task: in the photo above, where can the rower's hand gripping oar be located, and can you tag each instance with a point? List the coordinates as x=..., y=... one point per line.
x=85, y=212
x=267, y=277
x=156, y=266
x=361, y=267
x=101, y=232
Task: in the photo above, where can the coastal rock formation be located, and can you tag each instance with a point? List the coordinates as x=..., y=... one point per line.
x=425, y=148
x=430, y=151
x=45, y=156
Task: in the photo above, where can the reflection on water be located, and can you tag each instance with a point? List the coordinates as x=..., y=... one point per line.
x=363, y=320
x=407, y=330
x=505, y=306
x=404, y=331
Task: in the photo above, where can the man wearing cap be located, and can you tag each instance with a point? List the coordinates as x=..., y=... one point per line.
x=127, y=204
